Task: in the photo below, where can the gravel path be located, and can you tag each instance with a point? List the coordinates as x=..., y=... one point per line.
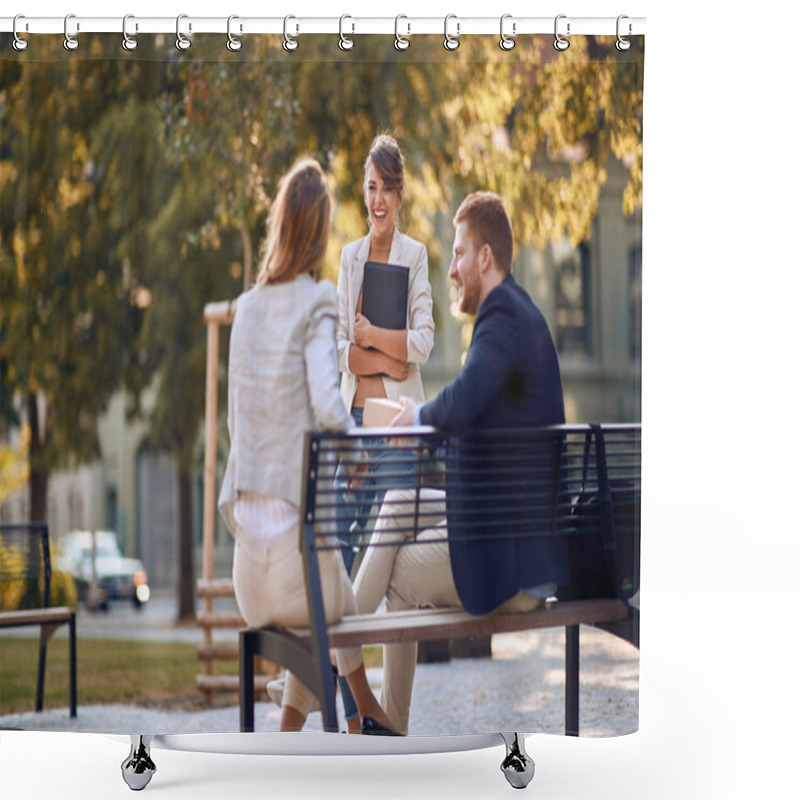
x=521, y=688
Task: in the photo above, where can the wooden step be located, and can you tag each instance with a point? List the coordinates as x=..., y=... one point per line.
x=222, y=619
x=215, y=587
x=225, y=651
x=229, y=683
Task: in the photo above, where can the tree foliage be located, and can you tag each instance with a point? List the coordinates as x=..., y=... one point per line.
x=66, y=318
x=537, y=126
x=227, y=123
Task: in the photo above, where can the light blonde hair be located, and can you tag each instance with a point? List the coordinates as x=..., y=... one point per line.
x=298, y=225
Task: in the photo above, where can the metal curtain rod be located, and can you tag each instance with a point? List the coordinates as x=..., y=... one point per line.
x=74, y=25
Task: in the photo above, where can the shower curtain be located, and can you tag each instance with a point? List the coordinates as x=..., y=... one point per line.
x=135, y=186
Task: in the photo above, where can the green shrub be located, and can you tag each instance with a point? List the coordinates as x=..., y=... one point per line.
x=11, y=592
x=21, y=593
x=63, y=591
x=25, y=592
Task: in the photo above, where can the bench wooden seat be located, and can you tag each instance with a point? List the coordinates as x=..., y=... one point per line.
x=36, y=616
x=425, y=624
x=305, y=651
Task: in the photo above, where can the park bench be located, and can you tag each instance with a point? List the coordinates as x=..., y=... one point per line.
x=577, y=481
x=25, y=572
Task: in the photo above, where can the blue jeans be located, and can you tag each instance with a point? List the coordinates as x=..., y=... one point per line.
x=389, y=468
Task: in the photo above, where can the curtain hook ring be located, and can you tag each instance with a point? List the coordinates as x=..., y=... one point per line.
x=70, y=42
x=400, y=42
x=623, y=44
x=128, y=42
x=560, y=42
x=451, y=42
x=19, y=43
x=233, y=43
x=507, y=42
x=345, y=42
x=290, y=43
x=182, y=42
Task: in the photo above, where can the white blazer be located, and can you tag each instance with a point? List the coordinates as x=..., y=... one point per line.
x=282, y=382
x=406, y=252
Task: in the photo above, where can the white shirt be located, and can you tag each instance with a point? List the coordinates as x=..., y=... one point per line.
x=265, y=519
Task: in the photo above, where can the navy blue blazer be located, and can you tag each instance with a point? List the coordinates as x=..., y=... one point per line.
x=511, y=378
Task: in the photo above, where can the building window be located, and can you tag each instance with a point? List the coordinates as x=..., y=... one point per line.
x=635, y=303
x=572, y=269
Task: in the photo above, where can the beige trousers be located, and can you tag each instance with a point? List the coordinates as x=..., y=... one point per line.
x=269, y=585
x=416, y=576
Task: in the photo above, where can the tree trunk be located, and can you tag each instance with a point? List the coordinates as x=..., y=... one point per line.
x=37, y=488
x=186, y=610
x=247, y=250
x=37, y=483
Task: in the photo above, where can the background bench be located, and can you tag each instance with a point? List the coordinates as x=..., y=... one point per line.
x=25, y=572
x=589, y=493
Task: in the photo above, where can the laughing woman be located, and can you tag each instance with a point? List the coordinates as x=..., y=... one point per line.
x=379, y=362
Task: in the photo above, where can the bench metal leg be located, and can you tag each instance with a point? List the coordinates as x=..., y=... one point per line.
x=572, y=681
x=517, y=766
x=46, y=632
x=44, y=635
x=247, y=698
x=138, y=768
x=73, y=670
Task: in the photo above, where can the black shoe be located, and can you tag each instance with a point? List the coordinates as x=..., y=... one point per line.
x=372, y=728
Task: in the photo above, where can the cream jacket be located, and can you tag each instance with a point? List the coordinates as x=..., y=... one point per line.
x=282, y=382
x=406, y=252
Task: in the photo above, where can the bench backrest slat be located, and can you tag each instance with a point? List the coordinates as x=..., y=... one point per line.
x=513, y=476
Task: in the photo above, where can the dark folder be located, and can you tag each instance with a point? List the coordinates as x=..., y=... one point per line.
x=385, y=298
